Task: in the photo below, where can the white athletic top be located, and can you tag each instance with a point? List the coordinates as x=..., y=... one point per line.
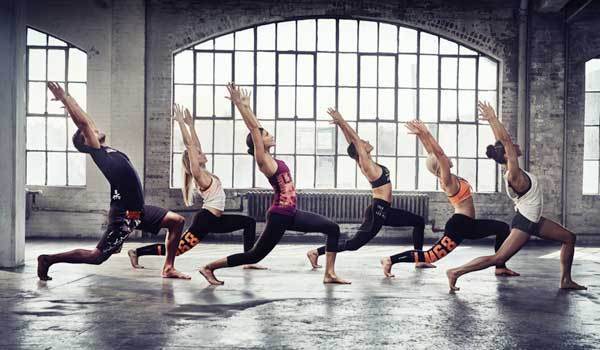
x=530, y=204
x=214, y=196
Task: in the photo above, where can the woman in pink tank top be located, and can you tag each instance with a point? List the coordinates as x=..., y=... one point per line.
x=283, y=214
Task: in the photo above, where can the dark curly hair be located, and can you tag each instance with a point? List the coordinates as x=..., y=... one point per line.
x=496, y=152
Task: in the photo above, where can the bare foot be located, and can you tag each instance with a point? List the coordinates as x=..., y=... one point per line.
x=386, y=264
x=424, y=265
x=42, y=269
x=506, y=272
x=333, y=279
x=254, y=267
x=133, y=258
x=210, y=276
x=313, y=257
x=571, y=285
x=452, y=278
x=172, y=273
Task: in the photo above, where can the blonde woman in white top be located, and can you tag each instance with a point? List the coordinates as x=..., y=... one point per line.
x=526, y=192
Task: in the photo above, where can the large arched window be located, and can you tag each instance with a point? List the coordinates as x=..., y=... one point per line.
x=51, y=158
x=378, y=75
x=591, y=148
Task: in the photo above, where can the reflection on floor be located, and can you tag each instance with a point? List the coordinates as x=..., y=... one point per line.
x=113, y=306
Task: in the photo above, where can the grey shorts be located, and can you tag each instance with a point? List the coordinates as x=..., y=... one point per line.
x=524, y=224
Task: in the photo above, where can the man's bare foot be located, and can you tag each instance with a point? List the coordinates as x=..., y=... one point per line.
x=452, y=278
x=42, y=268
x=133, y=258
x=570, y=284
x=254, y=267
x=172, y=273
x=424, y=265
x=386, y=264
x=333, y=279
x=210, y=276
x=313, y=257
x=506, y=272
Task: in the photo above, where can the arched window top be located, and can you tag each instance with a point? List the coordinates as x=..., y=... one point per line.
x=379, y=75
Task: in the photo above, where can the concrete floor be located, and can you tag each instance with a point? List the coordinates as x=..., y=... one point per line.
x=113, y=306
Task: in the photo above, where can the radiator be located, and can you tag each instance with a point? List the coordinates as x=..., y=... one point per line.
x=341, y=207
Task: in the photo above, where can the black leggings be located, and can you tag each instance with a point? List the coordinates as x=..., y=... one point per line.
x=276, y=226
x=204, y=223
x=381, y=214
x=458, y=228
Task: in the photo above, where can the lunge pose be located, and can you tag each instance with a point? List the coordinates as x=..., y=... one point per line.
x=462, y=225
x=283, y=214
x=127, y=208
x=527, y=194
x=379, y=213
x=210, y=218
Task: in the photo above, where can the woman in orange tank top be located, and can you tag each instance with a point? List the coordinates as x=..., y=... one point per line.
x=462, y=225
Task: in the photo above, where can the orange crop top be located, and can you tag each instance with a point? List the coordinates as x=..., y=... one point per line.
x=464, y=192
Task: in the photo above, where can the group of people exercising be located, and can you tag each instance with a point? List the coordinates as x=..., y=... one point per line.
x=128, y=210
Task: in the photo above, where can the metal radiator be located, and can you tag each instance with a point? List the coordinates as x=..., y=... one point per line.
x=341, y=207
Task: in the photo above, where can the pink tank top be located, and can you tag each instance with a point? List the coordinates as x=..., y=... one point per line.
x=284, y=200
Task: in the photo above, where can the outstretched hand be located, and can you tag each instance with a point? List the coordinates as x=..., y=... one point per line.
x=235, y=94
x=486, y=111
x=57, y=90
x=245, y=98
x=187, y=118
x=335, y=116
x=178, y=113
x=416, y=127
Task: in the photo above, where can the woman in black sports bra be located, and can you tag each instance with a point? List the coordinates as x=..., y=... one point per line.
x=379, y=213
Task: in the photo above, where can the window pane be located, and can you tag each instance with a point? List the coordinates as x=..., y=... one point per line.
x=265, y=68
x=325, y=99
x=466, y=105
x=368, y=71
x=347, y=103
x=592, y=108
x=36, y=133
x=223, y=106
x=592, y=75
x=427, y=182
x=224, y=42
x=347, y=67
x=305, y=138
x=386, y=104
x=305, y=174
x=204, y=68
x=287, y=69
x=76, y=163
x=242, y=171
x=406, y=142
x=406, y=175
x=407, y=40
x=37, y=64
x=348, y=35
x=489, y=96
x=36, y=168
x=326, y=40
x=204, y=101
x=429, y=43
x=71, y=128
x=56, y=107
x=467, y=169
x=433, y=130
x=184, y=95
x=487, y=74
x=36, y=38
x=368, y=103
x=428, y=72
x=590, y=177
x=386, y=139
x=407, y=70
x=244, y=68
x=57, y=134
x=466, y=73
x=448, y=105
x=449, y=73
x=206, y=45
x=286, y=35
x=388, y=37
x=265, y=102
x=407, y=104
x=387, y=72
x=486, y=176
x=346, y=172
x=286, y=102
x=57, y=169
x=368, y=132
x=224, y=141
x=342, y=143
x=447, y=139
x=305, y=102
x=428, y=105
x=325, y=138
x=367, y=36
x=178, y=145
x=325, y=172
x=79, y=93
x=239, y=143
x=307, y=30
x=448, y=47
x=204, y=129
x=184, y=61
x=486, y=137
x=244, y=39
x=223, y=167
x=467, y=141
x=306, y=70
x=176, y=171
x=56, y=65
x=265, y=37
x=326, y=69
x=36, y=100
x=52, y=41
x=591, y=142
x=465, y=51
x=260, y=180
x=223, y=68
x=286, y=133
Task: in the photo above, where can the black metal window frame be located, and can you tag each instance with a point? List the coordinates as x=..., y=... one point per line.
x=591, y=126
x=356, y=120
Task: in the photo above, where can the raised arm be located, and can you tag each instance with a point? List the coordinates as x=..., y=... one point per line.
x=352, y=137
x=433, y=147
x=189, y=121
x=200, y=175
x=77, y=114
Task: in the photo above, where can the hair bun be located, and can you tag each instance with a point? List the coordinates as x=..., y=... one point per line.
x=491, y=152
x=250, y=151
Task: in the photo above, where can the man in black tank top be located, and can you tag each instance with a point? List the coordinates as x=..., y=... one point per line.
x=127, y=208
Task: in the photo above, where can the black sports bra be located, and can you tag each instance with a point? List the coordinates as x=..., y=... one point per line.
x=383, y=179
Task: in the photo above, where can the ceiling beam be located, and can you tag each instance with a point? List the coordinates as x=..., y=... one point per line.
x=551, y=5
